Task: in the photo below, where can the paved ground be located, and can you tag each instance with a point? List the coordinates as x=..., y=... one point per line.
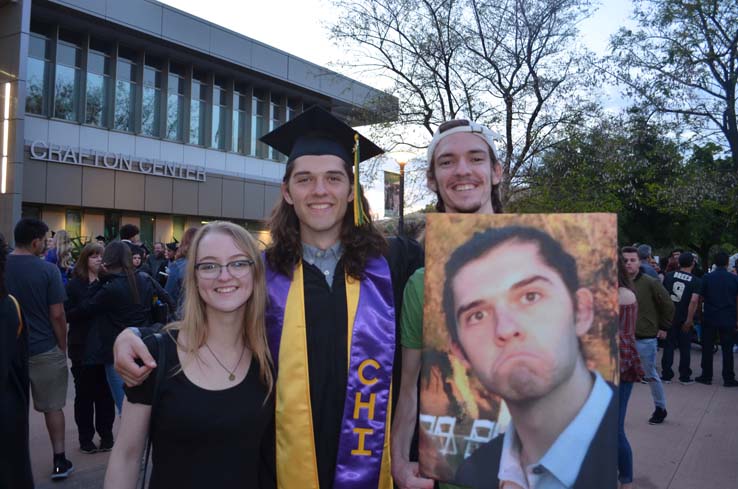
x=696, y=447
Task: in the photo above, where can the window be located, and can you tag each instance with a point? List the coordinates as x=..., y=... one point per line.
x=238, y=126
x=68, y=75
x=112, y=225
x=276, y=118
x=175, y=103
x=258, y=126
x=178, y=223
x=147, y=225
x=125, y=90
x=39, y=65
x=150, y=112
x=293, y=109
x=220, y=111
x=98, y=84
x=198, y=109
x=73, y=224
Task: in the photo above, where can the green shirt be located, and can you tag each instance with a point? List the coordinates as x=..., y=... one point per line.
x=411, y=322
x=411, y=317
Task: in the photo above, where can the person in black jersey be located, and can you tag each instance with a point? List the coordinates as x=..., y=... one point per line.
x=684, y=290
x=213, y=425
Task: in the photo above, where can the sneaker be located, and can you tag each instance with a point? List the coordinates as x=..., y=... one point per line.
x=731, y=383
x=665, y=380
x=106, y=444
x=87, y=447
x=658, y=416
x=688, y=381
x=644, y=380
x=703, y=380
x=62, y=469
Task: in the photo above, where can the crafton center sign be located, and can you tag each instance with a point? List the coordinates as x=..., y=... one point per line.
x=55, y=153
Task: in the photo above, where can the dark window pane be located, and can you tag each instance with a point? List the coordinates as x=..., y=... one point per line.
x=152, y=77
x=126, y=71
x=176, y=84
x=150, y=112
x=39, y=47
x=237, y=141
x=98, y=63
x=194, y=122
x=175, y=105
x=36, y=95
x=218, y=132
x=66, y=89
x=124, y=103
x=68, y=55
x=97, y=99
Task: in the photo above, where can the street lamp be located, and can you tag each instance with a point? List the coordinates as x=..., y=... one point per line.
x=401, y=223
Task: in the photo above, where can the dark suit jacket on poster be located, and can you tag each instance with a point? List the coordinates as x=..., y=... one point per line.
x=599, y=468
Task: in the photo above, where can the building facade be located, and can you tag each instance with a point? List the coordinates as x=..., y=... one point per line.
x=132, y=111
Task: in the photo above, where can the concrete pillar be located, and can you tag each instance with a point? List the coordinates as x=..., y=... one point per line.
x=15, y=23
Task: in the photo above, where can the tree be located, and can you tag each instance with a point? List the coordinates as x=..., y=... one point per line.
x=504, y=63
x=683, y=61
x=664, y=193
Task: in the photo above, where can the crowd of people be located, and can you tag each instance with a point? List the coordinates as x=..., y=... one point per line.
x=288, y=367
x=74, y=309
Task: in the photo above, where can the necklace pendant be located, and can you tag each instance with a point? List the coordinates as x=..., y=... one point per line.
x=231, y=377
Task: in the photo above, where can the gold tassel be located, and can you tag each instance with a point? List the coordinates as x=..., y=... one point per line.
x=359, y=215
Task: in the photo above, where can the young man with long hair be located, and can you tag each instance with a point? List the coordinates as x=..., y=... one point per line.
x=333, y=282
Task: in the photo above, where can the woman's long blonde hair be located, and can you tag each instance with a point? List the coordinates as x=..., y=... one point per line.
x=193, y=323
x=63, y=249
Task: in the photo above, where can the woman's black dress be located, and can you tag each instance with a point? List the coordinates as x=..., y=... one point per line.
x=203, y=438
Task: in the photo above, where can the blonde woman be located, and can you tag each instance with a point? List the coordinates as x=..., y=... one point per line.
x=61, y=254
x=213, y=425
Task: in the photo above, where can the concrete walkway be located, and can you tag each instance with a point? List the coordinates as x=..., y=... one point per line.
x=695, y=448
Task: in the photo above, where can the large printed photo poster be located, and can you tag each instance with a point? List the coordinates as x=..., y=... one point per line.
x=521, y=315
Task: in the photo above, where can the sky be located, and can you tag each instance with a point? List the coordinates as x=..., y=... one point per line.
x=301, y=28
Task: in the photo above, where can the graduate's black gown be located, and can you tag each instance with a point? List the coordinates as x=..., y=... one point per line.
x=326, y=316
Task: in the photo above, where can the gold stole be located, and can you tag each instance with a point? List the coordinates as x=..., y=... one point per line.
x=296, y=458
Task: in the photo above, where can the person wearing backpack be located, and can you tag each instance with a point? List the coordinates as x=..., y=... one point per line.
x=15, y=461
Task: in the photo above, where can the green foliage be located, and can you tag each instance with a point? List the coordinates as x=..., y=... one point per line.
x=632, y=166
x=77, y=245
x=682, y=60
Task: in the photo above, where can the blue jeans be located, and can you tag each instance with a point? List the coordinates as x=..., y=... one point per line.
x=647, y=349
x=116, y=386
x=625, y=454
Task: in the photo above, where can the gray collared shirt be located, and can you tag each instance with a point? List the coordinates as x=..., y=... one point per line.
x=325, y=260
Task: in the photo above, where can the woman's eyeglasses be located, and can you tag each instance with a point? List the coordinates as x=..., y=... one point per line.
x=237, y=269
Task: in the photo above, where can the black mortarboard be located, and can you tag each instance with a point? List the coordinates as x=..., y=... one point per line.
x=318, y=132
x=172, y=246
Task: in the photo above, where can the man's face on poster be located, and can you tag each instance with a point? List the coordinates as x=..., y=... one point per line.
x=518, y=324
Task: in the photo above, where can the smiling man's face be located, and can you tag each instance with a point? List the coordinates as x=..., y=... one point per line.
x=319, y=189
x=517, y=321
x=463, y=174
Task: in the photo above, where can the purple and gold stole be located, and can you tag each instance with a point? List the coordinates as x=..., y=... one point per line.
x=363, y=451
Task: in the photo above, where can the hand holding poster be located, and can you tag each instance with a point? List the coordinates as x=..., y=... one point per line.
x=520, y=351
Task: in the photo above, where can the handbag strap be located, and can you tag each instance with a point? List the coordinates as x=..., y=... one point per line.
x=160, y=368
x=20, y=316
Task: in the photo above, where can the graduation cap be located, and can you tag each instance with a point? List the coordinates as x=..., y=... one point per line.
x=318, y=132
x=172, y=246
